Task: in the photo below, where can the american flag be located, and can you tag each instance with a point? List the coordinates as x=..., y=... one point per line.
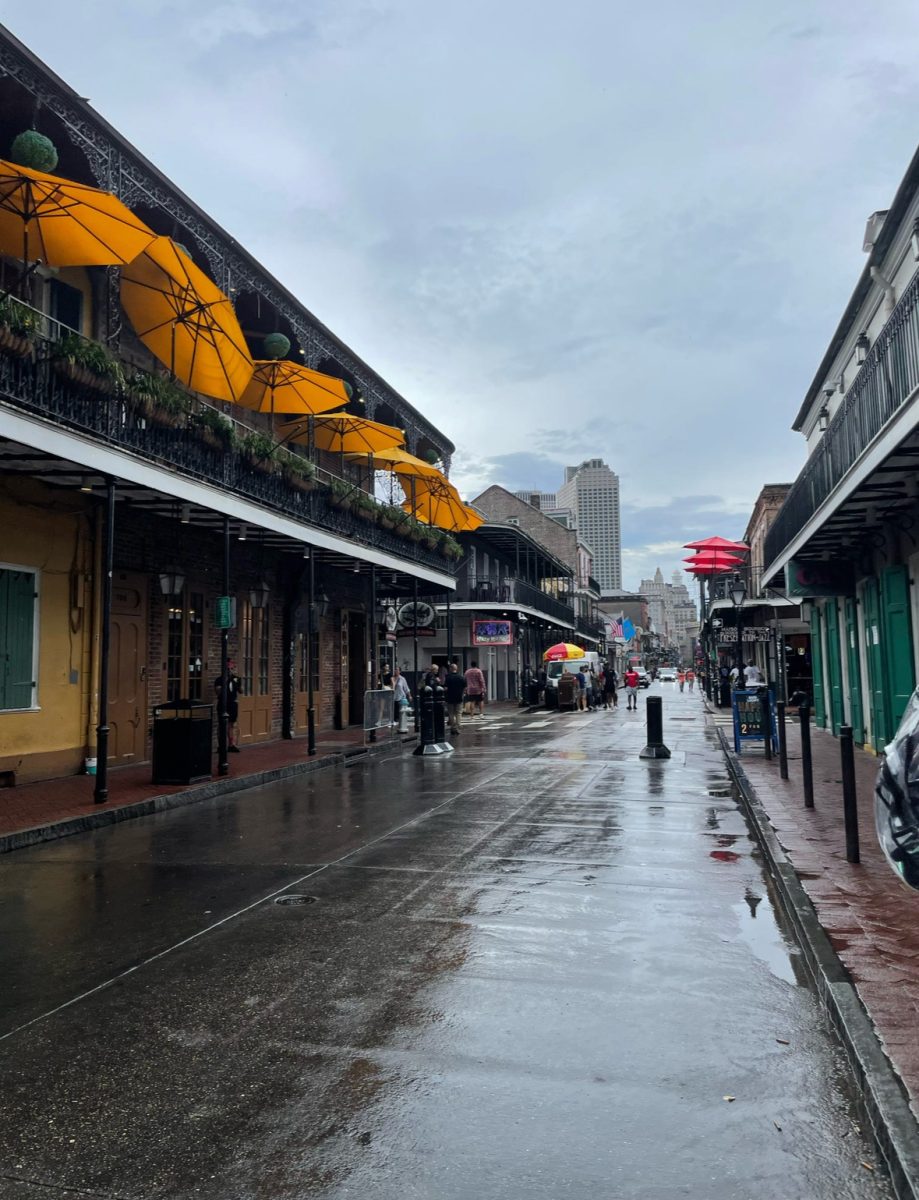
x=615, y=627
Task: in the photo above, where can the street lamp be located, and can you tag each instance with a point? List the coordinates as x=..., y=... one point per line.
x=738, y=595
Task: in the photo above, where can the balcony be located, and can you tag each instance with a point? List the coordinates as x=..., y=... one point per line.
x=34, y=384
x=512, y=592
x=589, y=629
x=885, y=382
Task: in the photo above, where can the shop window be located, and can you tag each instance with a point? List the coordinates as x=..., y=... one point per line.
x=185, y=647
x=304, y=662
x=18, y=644
x=65, y=307
x=256, y=650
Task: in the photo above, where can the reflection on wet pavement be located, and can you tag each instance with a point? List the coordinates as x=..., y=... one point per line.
x=534, y=970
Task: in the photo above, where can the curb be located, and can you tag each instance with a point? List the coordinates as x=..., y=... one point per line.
x=55, y=830
x=894, y=1129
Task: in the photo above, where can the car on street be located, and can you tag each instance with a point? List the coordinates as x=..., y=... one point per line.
x=644, y=679
x=667, y=674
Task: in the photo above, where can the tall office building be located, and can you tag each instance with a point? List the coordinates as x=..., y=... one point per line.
x=591, y=492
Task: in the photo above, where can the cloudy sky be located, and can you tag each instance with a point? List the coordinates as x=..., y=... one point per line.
x=589, y=229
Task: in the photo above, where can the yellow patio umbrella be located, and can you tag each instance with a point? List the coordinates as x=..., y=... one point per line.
x=186, y=320
x=63, y=223
x=281, y=386
x=439, y=503
x=340, y=433
x=403, y=463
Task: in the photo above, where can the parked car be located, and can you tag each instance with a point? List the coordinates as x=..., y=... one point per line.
x=667, y=674
x=644, y=679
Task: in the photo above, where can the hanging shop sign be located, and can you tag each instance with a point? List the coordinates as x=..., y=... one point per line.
x=755, y=633
x=415, y=614
x=492, y=633
x=820, y=578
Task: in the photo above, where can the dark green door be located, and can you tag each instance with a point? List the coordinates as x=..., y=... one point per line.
x=833, y=664
x=897, y=634
x=853, y=661
x=817, y=667
x=875, y=663
x=17, y=622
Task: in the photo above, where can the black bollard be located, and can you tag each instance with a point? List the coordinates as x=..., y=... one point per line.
x=783, y=739
x=654, y=707
x=807, y=769
x=440, y=721
x=849, y=801
x=766, y=709
x=426, y=745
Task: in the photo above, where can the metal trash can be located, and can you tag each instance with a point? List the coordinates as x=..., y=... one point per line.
x=533, y=690
x=182, y=738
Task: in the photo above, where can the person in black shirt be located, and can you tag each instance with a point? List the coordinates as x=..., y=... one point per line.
x=232, y=705
x=455, y=686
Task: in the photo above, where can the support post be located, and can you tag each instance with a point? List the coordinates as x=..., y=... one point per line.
x=449, y=631
x=310, y=665
x=807, y=770
x=100, y=792
x=417, y=690
x=374, y=634
x=849, y=799
x=424, y=715
x=783, y=738
x=654, y=708
x=223, y=717
x=766, y=709
x=440, y=721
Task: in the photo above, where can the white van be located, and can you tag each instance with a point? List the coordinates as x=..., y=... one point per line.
x=572, y=665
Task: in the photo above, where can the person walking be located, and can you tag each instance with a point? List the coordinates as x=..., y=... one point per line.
x=610, y=695
x=581, y=679
x=681, y=678
x=690, y=678
x=232, y=698
x=475, y=690
x=455, y=687
x=402, y=695
x=631, y=689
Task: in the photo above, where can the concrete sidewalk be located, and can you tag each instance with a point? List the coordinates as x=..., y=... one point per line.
x=869, y=916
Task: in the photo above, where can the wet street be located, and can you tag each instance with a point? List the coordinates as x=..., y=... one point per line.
x=540, y=969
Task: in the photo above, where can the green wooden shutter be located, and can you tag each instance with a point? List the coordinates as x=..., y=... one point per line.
x=817, y=668
x=17, y=626
x=877, y=695
x=856, y=711
x=833, y=664
x=898, y=644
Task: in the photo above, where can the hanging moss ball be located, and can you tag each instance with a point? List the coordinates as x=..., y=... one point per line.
x=276, y=345
x=349, y=390
x=431, y=456
x=32, y=149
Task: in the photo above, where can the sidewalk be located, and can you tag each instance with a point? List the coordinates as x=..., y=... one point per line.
x=871, y=919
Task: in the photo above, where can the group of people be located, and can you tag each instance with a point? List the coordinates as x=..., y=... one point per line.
x=465, y=691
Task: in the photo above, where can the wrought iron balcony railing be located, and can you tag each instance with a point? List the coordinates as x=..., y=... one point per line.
x=888, y=377
x=510, y=592
x=33, y=383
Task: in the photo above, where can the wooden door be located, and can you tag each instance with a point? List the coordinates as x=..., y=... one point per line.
x=833, y=665
x=305, y=664
x=875, y=662
x=856, y=712
x=899, y=673
x=127, y=677
x=817, y=665
x=254, y=670
x=357, y=667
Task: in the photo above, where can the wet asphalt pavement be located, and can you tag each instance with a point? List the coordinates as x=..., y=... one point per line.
x=537, y=970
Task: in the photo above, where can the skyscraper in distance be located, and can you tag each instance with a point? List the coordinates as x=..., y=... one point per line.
x=591, y=492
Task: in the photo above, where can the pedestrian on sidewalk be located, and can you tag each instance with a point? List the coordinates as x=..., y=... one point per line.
x=581, y=680
x=610, y=682
x=690, y=678
x=631, y=689
x=402, y=695
x=475, y=690
x=681, y=678
x=232, y=702
x=455, y=687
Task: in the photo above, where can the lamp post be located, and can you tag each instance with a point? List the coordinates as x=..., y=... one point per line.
x=738, y=595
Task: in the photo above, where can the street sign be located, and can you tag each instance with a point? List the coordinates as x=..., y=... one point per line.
x=749, y=713
x=225, y=612
x=727, y=636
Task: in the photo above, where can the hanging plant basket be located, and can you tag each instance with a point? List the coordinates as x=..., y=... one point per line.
x=14, y=344
x=83, y=376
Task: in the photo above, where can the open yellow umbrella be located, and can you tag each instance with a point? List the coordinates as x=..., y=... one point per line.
x=186, y=320
x=63, y=223
x=439, y=503
x=281, y=386
x=342, y=434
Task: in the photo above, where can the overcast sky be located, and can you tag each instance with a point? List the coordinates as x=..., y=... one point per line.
x=587, y=229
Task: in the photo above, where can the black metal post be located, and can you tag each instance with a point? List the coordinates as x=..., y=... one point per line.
x=740, y=678
x=310, y=665
x=223, y=718
x=424, y=716
x=291, y=587
x=807, y=770
x=766, y=709
x=849, y=799
x=100, y=792
x=449, y=631
x=374, y=635
x=654, y=709
x=415, y=686
x=783, y=738
x=440, y=716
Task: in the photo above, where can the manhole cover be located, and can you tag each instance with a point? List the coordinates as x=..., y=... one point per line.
x=293, y=898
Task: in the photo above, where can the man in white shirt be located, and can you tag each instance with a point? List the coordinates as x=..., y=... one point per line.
x=752, y=674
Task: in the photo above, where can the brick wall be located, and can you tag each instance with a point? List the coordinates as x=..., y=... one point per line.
x=497, y=504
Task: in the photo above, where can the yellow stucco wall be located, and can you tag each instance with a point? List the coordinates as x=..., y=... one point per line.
x=50, y=529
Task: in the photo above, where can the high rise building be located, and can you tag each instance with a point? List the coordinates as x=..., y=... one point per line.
x=591, y=492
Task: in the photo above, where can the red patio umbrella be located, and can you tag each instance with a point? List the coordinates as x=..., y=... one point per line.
x=717, y=543
x=720, y=560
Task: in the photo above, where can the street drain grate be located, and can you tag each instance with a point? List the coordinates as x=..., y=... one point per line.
x=292, y=898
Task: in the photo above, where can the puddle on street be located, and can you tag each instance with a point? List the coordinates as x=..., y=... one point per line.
x=759, y=930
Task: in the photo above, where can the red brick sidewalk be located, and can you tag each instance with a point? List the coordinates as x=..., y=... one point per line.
x=871, y=918
x=36, y=804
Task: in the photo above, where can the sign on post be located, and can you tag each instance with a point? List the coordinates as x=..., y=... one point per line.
x=749, y=712
x=225, y=612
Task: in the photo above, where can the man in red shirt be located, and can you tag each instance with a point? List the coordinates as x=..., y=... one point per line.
x=475, y=690
x=630, y=679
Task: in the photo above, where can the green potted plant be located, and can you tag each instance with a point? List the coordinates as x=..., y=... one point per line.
x=158, y=399
x=414, y=529
x=87, y=363
x=298, y=471
x=389, y=516
x=213, y=428
x=258, y=449
x=365, y=506
x=18, y=326
x=342, y=493
x=450, y=547
x=430, y=537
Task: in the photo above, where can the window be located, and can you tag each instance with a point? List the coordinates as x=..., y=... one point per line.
x=18, y=644
x=185, y=647
x=65, y=305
